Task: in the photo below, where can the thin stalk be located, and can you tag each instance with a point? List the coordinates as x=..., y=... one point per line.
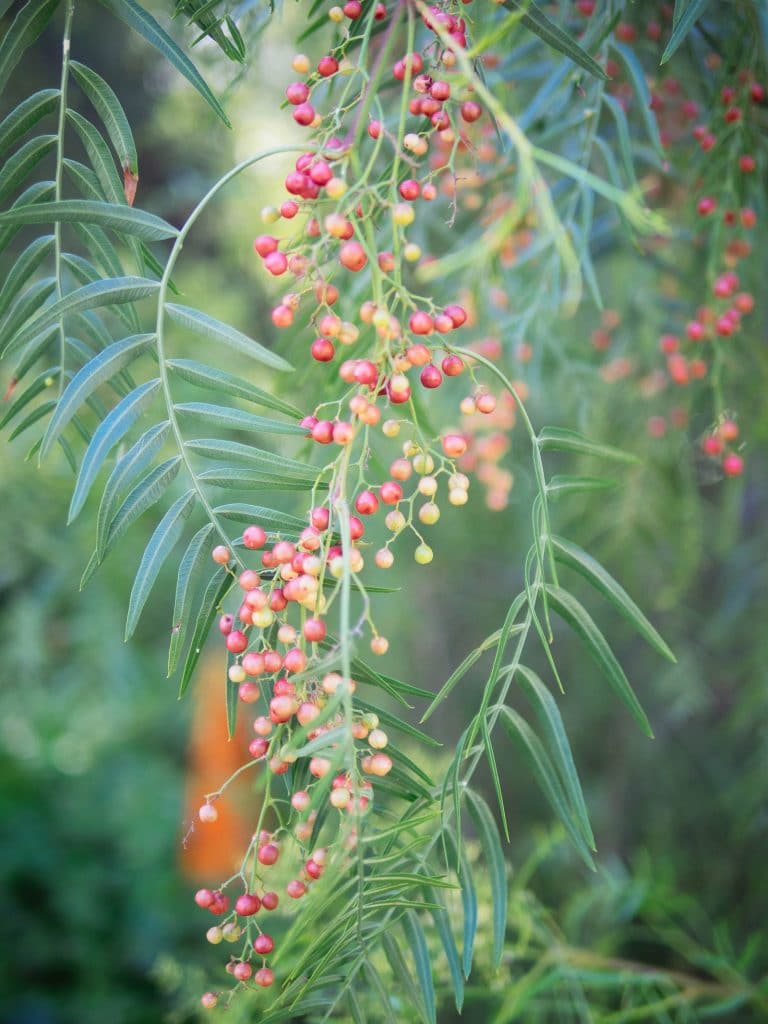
x=59, y=176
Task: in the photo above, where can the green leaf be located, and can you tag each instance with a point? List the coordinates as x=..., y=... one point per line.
x=111, y=430
x=29, y=421
x=570, y=554
x=23, y=268
x=218, y=588
x=548, y=714
x=38, y=193
x=26, y=306
x=110, y=110
x=211, y=448
x=213, y=379
x=127, y=469
x=490, y=757
x=107, y=292
x=27, y=114
x=100, y=369
x=195, y=557
x=248, y=480
x=141, y=21
x=417, y=941
x=443, y=925
x=104, y=254
x=518, y=729
x=468, y=900
x=86, y=273
x=16, y=169
x=41, y=383
x=402, y=977
x=101, y=158
x=270, y=519
x=639, y=83
x=143, y=496
x=579, y=619
x=125, y=219
x=235, y=419
x=494, y=859
x=23, y=31
x=163, y=540
x=687, y=13
x=85, y=181
x=391, y=721
x=558, y=439
x=221, y=333
x=537, y=21
x=563, y=484
x=458, y=674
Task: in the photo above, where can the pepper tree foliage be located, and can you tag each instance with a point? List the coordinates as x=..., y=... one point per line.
x=416, y=143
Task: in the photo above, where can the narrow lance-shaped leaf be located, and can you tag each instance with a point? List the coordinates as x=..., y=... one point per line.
x=166, y=536
x=17, y=168
x=443, y=925
x=141, y=21
x=111, y=112
x=687, y=13
x=218, y=588
x=558, y=439
x=529, y=743
x=468, y=899
x=269, y=462
x=23, y=31
x=24, y=267
x=548, y=714
x=103, y=367
x=28, y=113
x=579, y=619
x=118, y=218
x=221, y=333
x=100, y=157
x=570, y=554
x=143, y=496
x=111, y=430
x=417, y=941
x=235, y=419
x=195, y=557
x=25, y=307
x=36, y=194
x=537, y=21
x=211, y=378
x=128, y=468
x=404, y=978
x=270, y=519
x=494, y=858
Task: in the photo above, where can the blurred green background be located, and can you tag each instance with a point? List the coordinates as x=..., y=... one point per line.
x=98, y=923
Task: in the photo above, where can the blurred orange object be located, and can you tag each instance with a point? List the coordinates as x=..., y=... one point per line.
x=212, y=851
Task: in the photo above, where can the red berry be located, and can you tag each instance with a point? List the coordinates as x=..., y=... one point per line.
x=452, y=366
x=225, y=624
x=297, y=92
x=327, y=66
x=264, y=977
x=471, y=111
x=314, y=630
x=374, y=129
x=254, y=537
x=268, y=854
x=304, y=114
x=322, y=432
x=390, y=492
x=247, y=904
x=457, y=314
x=366, y=503
x=431, y=377
x=421, y=322
x=264, y=245
x=410, y=189
x=204, y=898
x=295, y=889
x=242, y=971
x=263, y=944
x=322, y=350
x=276, y=263
x=733, y=464
x=706, y=205
x=352, y=256
x=270, y=900
x=236, y=641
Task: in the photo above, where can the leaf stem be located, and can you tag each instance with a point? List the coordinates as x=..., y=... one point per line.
x=59, y=176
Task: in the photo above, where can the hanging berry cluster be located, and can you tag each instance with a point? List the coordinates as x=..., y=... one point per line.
x=355, y=194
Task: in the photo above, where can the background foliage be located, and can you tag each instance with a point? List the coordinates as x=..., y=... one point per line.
x=96, y=923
